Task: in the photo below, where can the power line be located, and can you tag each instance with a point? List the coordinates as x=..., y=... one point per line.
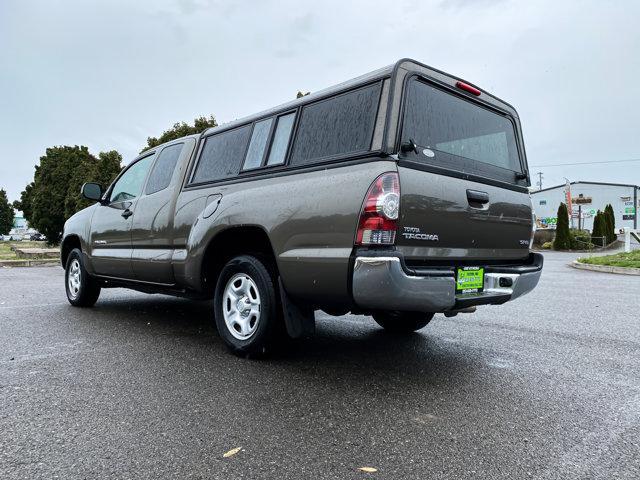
x=585, y=163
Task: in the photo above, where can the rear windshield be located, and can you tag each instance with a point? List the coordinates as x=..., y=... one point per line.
x=457, y=134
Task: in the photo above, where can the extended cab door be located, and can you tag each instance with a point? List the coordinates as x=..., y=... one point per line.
x=153, y=222
x=111, y=223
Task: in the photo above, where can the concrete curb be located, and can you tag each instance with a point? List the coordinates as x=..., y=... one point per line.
x=29, y=263
x=605, y=268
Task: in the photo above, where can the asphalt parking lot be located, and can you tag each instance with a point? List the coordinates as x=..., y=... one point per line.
x=141, y=387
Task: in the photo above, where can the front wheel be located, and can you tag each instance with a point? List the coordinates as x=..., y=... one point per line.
x=246, y=306
x=402, y=322
x=82, y=290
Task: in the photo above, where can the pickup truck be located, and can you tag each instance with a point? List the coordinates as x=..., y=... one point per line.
x=398, y=194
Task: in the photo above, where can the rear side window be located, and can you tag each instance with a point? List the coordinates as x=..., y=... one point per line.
x=259, y=139
x=222, y=155
x=163, y=169
x=337, y=126
x=281, y=139
x=458, y=134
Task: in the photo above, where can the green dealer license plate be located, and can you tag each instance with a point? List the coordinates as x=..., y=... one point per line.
x=469, y=279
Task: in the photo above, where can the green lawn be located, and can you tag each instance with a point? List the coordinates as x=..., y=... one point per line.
x=631, y=259
x=7, y=254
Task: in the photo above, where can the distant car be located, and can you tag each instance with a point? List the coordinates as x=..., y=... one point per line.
x=35, y=237
x=5, y=238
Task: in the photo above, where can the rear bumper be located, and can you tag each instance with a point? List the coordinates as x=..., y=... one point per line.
x=382, y=283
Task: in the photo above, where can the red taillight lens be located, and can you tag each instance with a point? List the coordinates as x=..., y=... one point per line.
x=468, y=88
x=377, y=224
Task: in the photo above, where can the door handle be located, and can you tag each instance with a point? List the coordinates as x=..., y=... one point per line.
x=127, y=213
x=475, y=196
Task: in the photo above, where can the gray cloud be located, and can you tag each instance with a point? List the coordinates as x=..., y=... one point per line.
x=110, y=74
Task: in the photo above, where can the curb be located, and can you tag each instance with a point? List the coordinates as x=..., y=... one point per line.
x=29, y=263
x=605, y=268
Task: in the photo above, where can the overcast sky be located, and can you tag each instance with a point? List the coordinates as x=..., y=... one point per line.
x=109, y=74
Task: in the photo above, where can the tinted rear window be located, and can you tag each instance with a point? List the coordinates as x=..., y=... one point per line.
x=459, y=134
x=222, y=155
x=337, y=126
x=162, y=172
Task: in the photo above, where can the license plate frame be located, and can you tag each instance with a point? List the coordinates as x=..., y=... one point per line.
x=469, y=280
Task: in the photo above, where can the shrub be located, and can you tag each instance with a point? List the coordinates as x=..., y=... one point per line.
x=547, y=245
x=599, y=230
x=611, y=223
x=580, y=239
x=563, y=236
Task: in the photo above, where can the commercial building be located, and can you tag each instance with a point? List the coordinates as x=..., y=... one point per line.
x=586, y=199
x=20, y=229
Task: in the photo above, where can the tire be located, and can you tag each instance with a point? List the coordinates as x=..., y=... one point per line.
x=246, y=308
x=82, y=289
x=402, y=322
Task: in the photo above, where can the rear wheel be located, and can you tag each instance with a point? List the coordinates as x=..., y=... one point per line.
x=82, y=289
x=402, y=321
x=246, y=307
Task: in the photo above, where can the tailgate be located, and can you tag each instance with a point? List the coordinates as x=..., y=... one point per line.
x=441, y=219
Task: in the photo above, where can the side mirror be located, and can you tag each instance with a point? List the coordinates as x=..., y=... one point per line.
x=92, y=191
x=409, y=146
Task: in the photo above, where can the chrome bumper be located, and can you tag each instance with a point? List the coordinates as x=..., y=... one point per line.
x=380, y=283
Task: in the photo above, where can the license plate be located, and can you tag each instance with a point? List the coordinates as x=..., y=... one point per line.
x=469, y=279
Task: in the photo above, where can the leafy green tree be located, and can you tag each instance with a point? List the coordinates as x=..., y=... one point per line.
x=54, y=194
x=100, y=170
x=182, y=129
x=24, y=204
x=6, y=214
x=611, y=223
x=562, y=241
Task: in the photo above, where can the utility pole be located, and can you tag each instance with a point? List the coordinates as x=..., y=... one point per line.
x=539, y=180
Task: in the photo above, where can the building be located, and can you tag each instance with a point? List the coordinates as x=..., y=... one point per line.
x=19, y=223
x=586, y=199
x=20, y=229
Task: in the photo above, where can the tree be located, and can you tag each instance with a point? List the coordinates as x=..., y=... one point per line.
x=100, y=170
x=24, y=204
x=182, y=129
x=562, y=241
x=599, y=230
x=611, y=223
x=6, y=214
x=54, y=194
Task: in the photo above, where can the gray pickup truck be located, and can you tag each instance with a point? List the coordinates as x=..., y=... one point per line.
x=397, y=194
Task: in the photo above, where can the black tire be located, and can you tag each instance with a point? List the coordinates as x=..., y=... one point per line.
x=263, y=331
x=86, y=291
x=402, y=322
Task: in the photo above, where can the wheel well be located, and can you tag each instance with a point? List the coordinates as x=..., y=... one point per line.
x=230, y=243
x=69, y=243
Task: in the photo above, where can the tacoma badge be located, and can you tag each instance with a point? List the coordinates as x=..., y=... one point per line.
x=413, y=233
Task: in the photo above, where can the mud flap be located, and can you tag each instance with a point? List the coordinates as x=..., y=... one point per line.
x=300, y=320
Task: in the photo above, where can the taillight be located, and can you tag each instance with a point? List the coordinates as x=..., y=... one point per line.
x=533, y=224
x=379, y=215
